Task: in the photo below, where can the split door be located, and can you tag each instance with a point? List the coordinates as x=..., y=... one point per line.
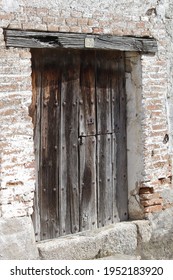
x=80, y=140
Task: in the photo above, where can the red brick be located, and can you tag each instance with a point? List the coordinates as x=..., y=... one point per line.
x=148, y=196
x=150, y=202
x=140, y=25
x=154, y=208
x=82, y=21
x=71, y=21
x=146, y=190
x=75, y=29
x=97, y=30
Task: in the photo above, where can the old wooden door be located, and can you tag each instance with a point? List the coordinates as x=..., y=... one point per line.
x=80, y=140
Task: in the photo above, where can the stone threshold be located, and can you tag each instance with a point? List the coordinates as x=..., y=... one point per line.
x=113, y=241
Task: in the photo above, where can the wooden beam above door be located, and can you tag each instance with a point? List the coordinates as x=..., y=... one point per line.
x=43, y=39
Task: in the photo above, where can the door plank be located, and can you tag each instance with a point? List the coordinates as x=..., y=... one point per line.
x=53, y=74
x=68, y=172
x=44, y=203
x=114, y=177
x=87, y=122
x=35, y=113
x=103, y=91
x=87, y=181
x=50, y=109
x=104, y=180
x=120, y=131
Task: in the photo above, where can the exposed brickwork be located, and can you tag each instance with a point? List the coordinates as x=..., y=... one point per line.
x=116, y=17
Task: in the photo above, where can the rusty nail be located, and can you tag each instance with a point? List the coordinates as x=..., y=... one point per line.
x=56, y=104
x=44, y=190
x=74, y=103
x=64, y=103
x=54, y=189
x=44, y=148
x=56, y=147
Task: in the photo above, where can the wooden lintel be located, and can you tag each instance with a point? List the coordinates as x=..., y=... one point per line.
x=43, y=39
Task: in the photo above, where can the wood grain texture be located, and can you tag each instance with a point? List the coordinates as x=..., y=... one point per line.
x=88, y=199
x=40, y=39
x=80, y=140
x=87, y=106
x=69, y=189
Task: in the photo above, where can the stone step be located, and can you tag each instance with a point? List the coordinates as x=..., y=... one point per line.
x=111, y=240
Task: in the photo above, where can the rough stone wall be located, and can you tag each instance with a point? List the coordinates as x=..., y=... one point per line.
x=151, y=188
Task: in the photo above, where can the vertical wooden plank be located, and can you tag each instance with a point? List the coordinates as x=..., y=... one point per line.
x=68, y=173
x=87, y=121
x=103, y=92
x=114, y=178
x=49, y=113
x=43, y=180
x=115, y=112
x=105, y=144
x=87, y=179
x=54, y=78
x=104, y=180
x=35, y=113
x=119, y=117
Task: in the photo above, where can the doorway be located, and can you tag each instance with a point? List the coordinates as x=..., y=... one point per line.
x=80, y=140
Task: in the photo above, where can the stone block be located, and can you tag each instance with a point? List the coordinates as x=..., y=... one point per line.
x=155, y=236
x=17, y=241
x=120, y=238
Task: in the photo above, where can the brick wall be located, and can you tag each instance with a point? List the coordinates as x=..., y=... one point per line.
x=153, y=187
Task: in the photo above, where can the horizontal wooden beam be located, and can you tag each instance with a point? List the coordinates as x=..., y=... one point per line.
x=41, y=39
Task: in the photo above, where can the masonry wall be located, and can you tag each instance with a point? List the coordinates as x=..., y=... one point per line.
x=149, y=96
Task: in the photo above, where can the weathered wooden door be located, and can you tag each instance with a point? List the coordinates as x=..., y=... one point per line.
x=80, y=140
